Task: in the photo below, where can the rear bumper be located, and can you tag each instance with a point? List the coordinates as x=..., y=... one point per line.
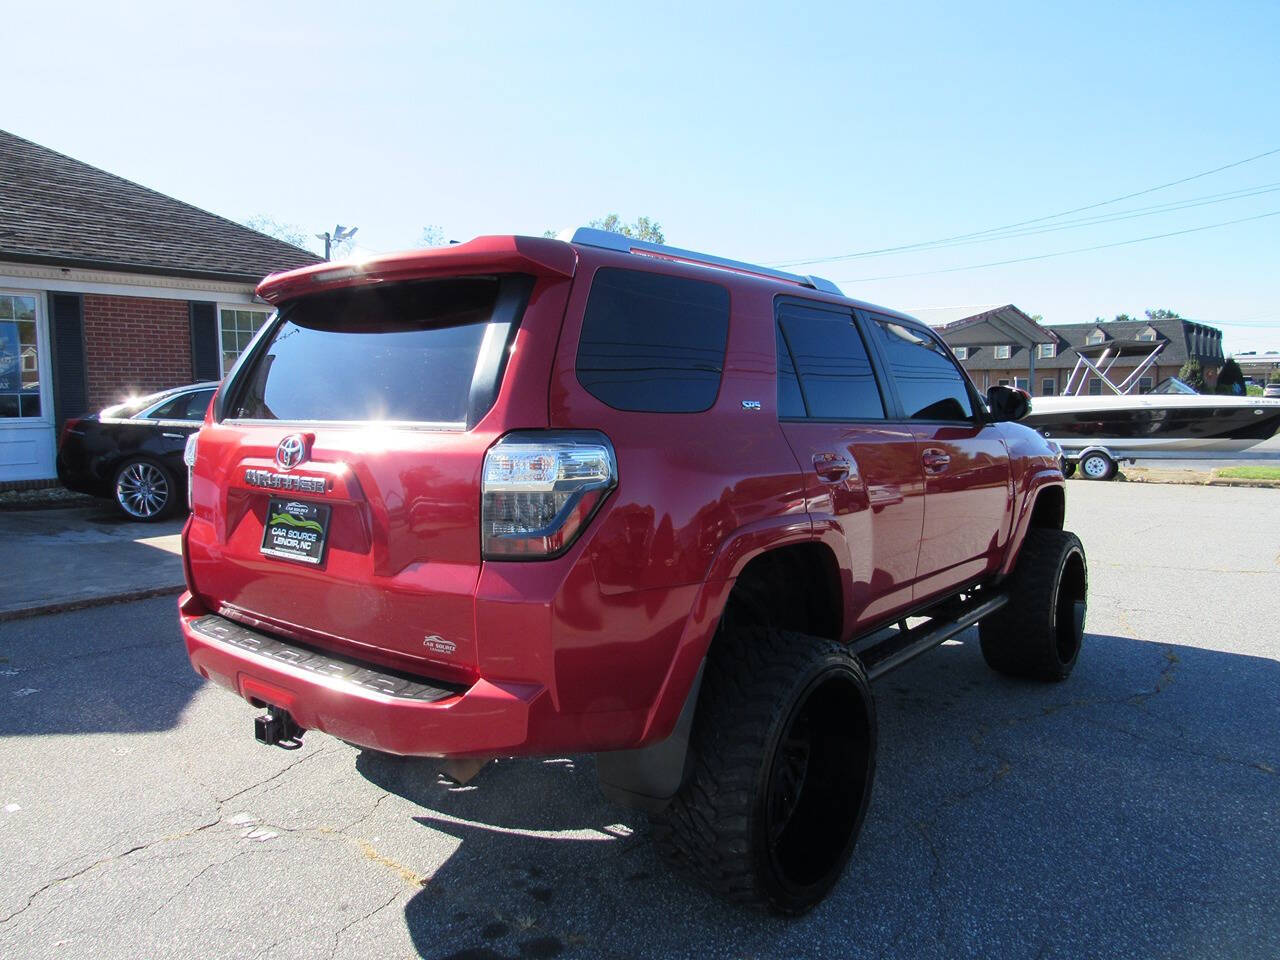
x=359, y=703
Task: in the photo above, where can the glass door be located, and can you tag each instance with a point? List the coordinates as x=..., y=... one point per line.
x=26, y=401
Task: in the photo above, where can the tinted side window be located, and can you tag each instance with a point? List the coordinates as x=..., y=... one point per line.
x=929, y=383
x=197, y=405
x=653, y=342
x=790, y=399
x=836, y=379
x=171, y=409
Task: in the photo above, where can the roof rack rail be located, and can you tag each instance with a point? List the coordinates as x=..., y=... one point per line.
x=609, y=240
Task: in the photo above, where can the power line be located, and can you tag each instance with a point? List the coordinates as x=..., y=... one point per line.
x=1117, y=217
x=1023, y=223
x=1060, y=253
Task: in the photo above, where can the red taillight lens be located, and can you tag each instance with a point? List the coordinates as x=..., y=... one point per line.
x=71, y=426
x=540, y=490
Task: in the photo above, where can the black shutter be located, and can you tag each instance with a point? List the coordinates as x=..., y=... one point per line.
x=205, y=352
x=70, y=391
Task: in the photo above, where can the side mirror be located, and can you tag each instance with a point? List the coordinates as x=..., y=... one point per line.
x=1007, y=403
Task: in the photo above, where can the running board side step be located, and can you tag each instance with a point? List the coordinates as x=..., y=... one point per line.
x=907, y=644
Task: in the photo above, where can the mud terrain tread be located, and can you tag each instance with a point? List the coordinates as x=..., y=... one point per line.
x=747, y=690
x=1018, y=639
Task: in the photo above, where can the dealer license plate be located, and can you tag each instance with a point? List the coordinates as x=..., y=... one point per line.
x=296, y=530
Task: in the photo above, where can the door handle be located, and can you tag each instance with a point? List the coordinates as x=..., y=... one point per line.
x=935, y=460
x=831, y=467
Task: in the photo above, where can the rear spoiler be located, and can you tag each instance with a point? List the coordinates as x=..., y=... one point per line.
x=503, y=254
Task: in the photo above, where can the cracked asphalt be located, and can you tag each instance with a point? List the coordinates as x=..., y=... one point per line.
x=1133, y=811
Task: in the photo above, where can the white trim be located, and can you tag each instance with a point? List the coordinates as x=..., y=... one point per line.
x=962, y=353
x=1001, y=351
x=1051, y=348
x=72, y=280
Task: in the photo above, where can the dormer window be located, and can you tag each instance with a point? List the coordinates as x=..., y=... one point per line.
x=1001, y=351
x=962, y=353
x=1046, y=351
x=1149, y=335
x=1095, y=336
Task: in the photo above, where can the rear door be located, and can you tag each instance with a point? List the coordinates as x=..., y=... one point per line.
x=863, y=479
x=968, y=487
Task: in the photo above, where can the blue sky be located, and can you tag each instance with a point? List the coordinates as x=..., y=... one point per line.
x=766, y=133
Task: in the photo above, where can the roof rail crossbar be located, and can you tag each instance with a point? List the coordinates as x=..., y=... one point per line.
x=609, y=240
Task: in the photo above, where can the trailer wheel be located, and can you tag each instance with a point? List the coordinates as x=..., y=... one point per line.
x=783, y=757
x=1097, y=466
x=1038, y=633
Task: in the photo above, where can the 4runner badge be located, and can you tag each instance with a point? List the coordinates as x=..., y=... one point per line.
x=291, y=452
x=439, y=645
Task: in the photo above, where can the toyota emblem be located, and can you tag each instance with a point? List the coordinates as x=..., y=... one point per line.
x=291, y=452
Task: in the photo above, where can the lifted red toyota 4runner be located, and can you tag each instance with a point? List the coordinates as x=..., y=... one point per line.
x=525, y=496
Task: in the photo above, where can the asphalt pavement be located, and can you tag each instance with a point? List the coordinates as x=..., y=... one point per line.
x=1133, y=811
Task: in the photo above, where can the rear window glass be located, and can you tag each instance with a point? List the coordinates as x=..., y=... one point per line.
x=652, y=342
x=403, y=353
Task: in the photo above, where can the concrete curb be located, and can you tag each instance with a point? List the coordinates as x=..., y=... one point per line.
x=83, y=603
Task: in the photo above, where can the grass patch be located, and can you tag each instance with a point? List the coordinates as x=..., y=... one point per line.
x=1249, y=473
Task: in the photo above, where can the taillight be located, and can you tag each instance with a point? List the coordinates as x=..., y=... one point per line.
x=540, y=489
x=189, y=458
x=71, y=426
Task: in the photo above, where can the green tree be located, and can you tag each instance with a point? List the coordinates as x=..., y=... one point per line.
x=1192, y=375
x=1231, y=379
x=1275, y=377
x=432, y=236
x=643, y=228
x=1163, y=314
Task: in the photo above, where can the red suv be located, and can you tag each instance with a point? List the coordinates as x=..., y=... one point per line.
x=525, y=496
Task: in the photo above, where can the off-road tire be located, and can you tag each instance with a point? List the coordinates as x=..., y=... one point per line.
x=764, y=692
x=1037, y=635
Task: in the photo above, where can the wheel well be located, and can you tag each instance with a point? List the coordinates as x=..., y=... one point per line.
x=1050, y=509
x=790, y=588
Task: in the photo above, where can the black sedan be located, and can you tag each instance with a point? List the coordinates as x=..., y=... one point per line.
x=132, y=452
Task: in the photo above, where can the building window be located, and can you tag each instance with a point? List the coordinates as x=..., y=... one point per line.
x=1046, y=351
x=962, y=353
x=1004, y=381
x=1148, y=335
x=1022, y=384
x=238, y=327
x=19, y=357
x=1095, y=336
x=1145, y=384
x=1001, y=351
x=1095, y=387
x=1048, y=387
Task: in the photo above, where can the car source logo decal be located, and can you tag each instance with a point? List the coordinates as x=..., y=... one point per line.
x=437, y=644
x=291, y=452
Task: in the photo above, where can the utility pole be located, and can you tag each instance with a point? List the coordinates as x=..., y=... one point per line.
x=340, y=235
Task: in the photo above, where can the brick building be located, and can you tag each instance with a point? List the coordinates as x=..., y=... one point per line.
x=1005, y=346
x=109, y=289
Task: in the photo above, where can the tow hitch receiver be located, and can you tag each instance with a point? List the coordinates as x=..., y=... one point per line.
x=277, y=728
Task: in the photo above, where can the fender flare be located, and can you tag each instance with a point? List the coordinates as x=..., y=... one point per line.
x=648, y=777
x=1034, y=483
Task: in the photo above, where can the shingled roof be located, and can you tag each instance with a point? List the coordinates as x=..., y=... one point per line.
x=57, y=210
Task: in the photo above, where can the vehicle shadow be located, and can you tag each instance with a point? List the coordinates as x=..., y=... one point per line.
x=1130, y=811
x=120, y=668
